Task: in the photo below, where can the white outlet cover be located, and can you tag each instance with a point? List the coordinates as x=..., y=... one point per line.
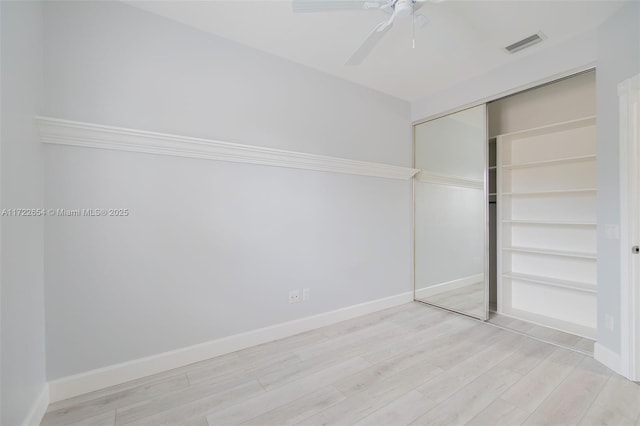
x=294, y=296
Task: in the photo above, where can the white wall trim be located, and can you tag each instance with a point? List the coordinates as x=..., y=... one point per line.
x=74, y=133
x=449, y=180
x=629, y=122
x=78, y=384
x=425, y=292
x=607, y=357
x=39, y=407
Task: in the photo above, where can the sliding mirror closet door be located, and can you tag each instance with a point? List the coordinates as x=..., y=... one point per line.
x=451, y=212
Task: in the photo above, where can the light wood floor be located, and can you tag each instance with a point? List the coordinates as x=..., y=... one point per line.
x=412, y=364
x=557, y=337
x=470, y=300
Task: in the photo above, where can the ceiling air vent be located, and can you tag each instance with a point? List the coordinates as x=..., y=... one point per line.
x=525, y=42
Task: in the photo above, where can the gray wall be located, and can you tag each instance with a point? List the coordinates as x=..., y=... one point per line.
x=22, y=291
x=210, y=249
x=618, y=59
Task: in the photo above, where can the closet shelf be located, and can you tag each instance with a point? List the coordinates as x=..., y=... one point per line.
x=549, y=162
x=549, y=223
x=492, y=167
x=546, y=252
x=553, y=282
x=589, y=121
x=546, y=183
x=550, y=192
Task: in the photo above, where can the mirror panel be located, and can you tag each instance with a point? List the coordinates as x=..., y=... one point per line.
x=451, y=212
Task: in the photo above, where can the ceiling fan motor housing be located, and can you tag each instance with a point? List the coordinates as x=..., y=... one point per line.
x=403, y=8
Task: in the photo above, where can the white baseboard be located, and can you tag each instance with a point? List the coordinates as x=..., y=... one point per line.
x=78, y=384
x=607, y=357
x=426, y=292
x=34, y=418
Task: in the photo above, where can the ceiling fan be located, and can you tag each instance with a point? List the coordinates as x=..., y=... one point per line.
x=398, y=9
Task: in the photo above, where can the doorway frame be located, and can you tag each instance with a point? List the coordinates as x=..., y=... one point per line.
x=629, y=127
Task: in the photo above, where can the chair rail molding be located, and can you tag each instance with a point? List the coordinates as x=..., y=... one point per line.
x=66, y=132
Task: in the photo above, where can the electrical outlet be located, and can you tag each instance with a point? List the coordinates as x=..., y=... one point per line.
x=305, y=294
x=294, y=296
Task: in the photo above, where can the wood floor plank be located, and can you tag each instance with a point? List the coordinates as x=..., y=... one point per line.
x=291, y=343
x=200, y=421
x=527, y=356
x=247, y=409
x=379, y=372
x=603, y=416
x=104, y=419
x=401, y=411
x=448, y=332
x=474, y=366
x=253, y=369
x=536, y=386
x=472, y=399
x=571, y=399
x=378, y=394
x=129, y=388
x=178, y=407
x=482, y=338
x=397, y=315
x=423, y=356
x=618, y=403
x=351, y=343
x=99, y=402
x=544, y=333
x=306, y=366
x=499, y=412
x=301, y=408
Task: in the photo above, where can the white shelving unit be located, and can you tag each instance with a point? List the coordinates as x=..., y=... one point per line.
x=546, y=217
x=492, y=168
x=492, y=171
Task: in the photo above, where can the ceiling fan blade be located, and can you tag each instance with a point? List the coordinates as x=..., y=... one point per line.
x=333, y=5
x=419, y=3
x=370, y=42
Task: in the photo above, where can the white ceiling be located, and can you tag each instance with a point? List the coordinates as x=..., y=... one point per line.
x=461, y=38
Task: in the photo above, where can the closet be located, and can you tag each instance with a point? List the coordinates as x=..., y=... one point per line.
x=537, y=229
x=542, y=203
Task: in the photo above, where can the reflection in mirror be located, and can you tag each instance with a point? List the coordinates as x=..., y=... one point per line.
x=450, y=212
